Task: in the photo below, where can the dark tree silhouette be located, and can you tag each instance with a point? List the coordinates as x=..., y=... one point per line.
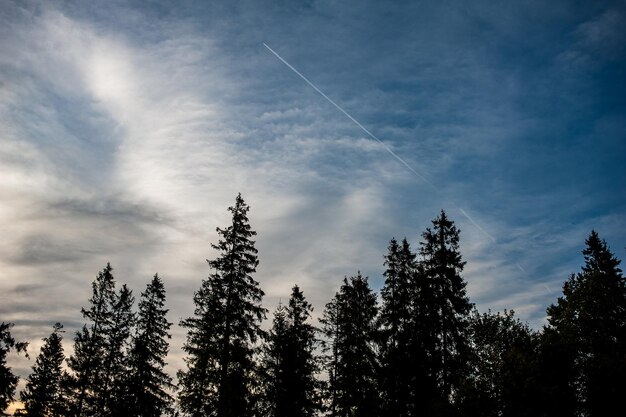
x=91, y=347
x=442, y=265
x=397, y=336
x=225, y=326
x=502, y=368
x=116, y=365
x=272, y=372
x=289, y=364
x=8, y=381
x=43, y=395
x=349, y=327
x=587, y=326
x=148, y=384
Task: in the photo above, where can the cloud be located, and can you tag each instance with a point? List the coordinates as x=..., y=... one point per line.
x=127, y=131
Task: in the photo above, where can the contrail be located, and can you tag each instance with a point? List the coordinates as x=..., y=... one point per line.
x=371, y=135
x=493, y=239
x=356, y=122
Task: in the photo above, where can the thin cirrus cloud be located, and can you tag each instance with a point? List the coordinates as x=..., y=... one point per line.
x=127, y=133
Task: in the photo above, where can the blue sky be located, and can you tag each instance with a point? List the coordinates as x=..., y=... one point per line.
x=127, y=129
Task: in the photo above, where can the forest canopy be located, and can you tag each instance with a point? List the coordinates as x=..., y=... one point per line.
x=417, y=348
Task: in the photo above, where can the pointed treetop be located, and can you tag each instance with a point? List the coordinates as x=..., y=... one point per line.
x=598, y=256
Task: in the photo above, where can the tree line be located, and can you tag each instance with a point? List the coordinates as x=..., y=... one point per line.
x=421, y=350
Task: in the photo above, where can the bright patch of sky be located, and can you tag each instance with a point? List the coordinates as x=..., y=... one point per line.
x=128, y=128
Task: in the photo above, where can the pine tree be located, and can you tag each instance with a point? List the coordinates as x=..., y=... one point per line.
x=302, y=362
x=590, y=320
x=225, y=326
x=116, y=364
x=43, y=395
x=289, y=363
x=396, y=331
x=442, y=265
x=148, y=384
x=349, y=327
x=91, y=347
x=272, y=373
x=8, y=381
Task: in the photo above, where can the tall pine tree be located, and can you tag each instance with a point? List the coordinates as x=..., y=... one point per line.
x=441, y=267
x=225, y=327
x=8, y=380
x=272, y=372
x=590, y=318
x=289, y=364
x=148, y=384
x=349, y=327
x=116, y=366
x=91, y=347
x=397, y=350
x=43, y=394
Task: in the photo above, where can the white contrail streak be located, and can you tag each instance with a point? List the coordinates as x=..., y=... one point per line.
x=356, y=122
x=493, y=239
x=371, y=135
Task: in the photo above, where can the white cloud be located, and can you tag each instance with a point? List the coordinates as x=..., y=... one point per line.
x=129, y=149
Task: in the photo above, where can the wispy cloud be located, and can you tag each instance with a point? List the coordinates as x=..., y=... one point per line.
x=126, y=132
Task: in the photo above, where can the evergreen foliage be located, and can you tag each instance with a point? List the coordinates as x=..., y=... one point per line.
x=289, y=364
x=43, y=395
x=349, y=328
x=422, y=353
x=397, y=338
x=225, y=327
x=442, y=265
x=587, y=326
x=91, y=348
x=8, y=380
x=116, y=365
x=272, y=373
x=148, y=384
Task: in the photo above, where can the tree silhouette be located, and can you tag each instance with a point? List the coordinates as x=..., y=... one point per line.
x=289, y=364
x=397, y=336
x=8, y=381
x=43, y=395
x=225, y=326
x=116, y=365
x=272, y=372
x=589, y=324
x=502, y=368
x=349, y=327
x=91, y=347
x=442, y=265
x=147, y=383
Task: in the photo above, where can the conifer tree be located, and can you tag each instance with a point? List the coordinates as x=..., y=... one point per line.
x=441, y=265
x=289, y=364
x=302, y=362
x=590, y=318
x=91, y=347
x=43, y=395
x=116, y=364
x=396, y=331
x=8, y=380
x=349, y=327
x=148, y=383
x=273, y=366
x=225, y=326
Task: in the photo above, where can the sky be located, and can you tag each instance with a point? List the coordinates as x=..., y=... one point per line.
x=127, y=128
